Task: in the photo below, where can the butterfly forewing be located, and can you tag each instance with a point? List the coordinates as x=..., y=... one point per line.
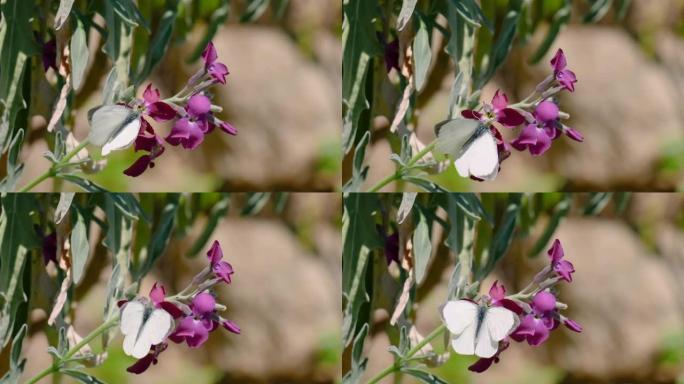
x=143, y=327
x=480, y=158
x=113, y=127
x=452, y=135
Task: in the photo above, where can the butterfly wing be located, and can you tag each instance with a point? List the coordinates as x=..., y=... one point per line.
x=453, y=134
x=132, y=316
x=113, y=127
x=480, y=158
x=154, y=331
x=460, y=317
x=497, y=323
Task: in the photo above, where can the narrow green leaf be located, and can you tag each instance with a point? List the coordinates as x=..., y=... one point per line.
x=560, y=211
x=422, y=53
x=160, y=41
x=218, y=211
x=422, y=246
x=63, y=13
x=560, y=19
x=359, y=171
x=80, y=249
x=598, y=9
x=217, y=19
x=407, y=7
x=422, y=376
x=79, y=54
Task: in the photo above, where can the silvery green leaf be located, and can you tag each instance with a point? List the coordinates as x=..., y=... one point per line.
x=407, y=199
x=422, y=376
x=79, y=54
x=453, y=134
x=65, y=199
x=422, y=246
x=422, y=53
x=80, y=248
x=81, y=376
x=17, y=364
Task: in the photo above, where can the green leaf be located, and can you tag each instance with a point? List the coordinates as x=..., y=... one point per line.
x=218, y=211
x=129, y=13
x=160, y=41
x=422, y=376
x=254, y=10
x=360, y=237
x=16, y=362
x=560, y=211
x=217, y=19
x=422, y=246
x=598, y=9
x=358, y=363
x=503, y=235
x=471, y=13
x=422, y=53
x=407, y=7
x=16, y=46
x=359, y=171
x=161, y=235
x=17, y=238
x=560, y=19
x=255, y=203
x=407, y=200
x=79, y=54
x=597, y=202
x=504, y=42
x=80, y=249
x=621, y=9
x=65, y=199
x=14, y=166
x=81, y=376
x=360, y=44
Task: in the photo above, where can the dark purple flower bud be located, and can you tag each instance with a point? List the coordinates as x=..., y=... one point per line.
x=546, y=111
x=227, y=127
x=392, y=56
x=50, y=248
x=565, y=77
x=573, y=134
x=230, y=326
x=563, y=268
x=392, y=248
x=49, y=55
x=544, y=302
x=571, y=324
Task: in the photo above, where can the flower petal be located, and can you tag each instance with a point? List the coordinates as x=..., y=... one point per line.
x=215, y=254
x=499, y=101
x=198, y=105
x=203, y=304
x=558, y=61
x=157, y=294
x=509, y=117
x=139, y=166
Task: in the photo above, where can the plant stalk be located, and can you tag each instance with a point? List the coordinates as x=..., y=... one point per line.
x=52, y=171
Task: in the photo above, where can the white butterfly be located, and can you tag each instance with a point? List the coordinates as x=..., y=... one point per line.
x=477, y=329
x=472, y=145
x=143, y=327
x=113, y=127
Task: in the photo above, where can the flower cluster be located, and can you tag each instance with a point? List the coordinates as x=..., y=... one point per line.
x=191, y=111
x=536, y=306
x=539, y=113
x=195, y=314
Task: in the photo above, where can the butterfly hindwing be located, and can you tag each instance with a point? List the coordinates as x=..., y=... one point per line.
x=143, y=328
x=113, y=127
x=480, y=157
x=497, y=323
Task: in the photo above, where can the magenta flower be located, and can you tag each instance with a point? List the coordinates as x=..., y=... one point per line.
x=546, y=111
x=571, y=324
x=141, y=365
x=563, y=268
x=189, y=131
x=544, y=302
x=218, y=71
x=498, y=111
x=221, y=269
x=148, y=141
x=497, y=293
x=154, y=107
x=532, y=330
x=194, y=329
x=158, y=297
x=565, y=77
x=572, y=133
x=536, y=139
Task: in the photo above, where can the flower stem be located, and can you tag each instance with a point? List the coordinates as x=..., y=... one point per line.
x=56, y=366
x=397, y=175
x=398, y=364
x=52, y=171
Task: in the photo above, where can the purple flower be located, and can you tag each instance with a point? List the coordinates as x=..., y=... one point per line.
x=532, y=330
x=216, y=70
x=49, y=55
x=147, y=140
x=565, y=77
x=498, y=110
x=497, y=293
x=158, y=297
x=221, y=269
x=224, y=126
x=536, y=139
x=563, y=268
x=572, y=133
x=546, y=111
x=154, y=107
x=189, y=131
x=544, y=302
x=141, y=365
x=191, y=330
x=392, y=56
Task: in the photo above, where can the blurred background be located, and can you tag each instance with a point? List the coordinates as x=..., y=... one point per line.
x=282, y=95
x=627, y=104
x=284, y=296
x=626, y=293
